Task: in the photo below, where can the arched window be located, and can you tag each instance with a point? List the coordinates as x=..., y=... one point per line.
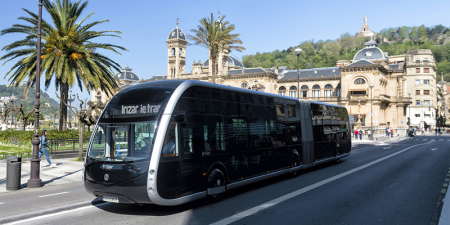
x=99, y=93
x=304, y=92
x=173, y=52
x=338, y=90
x=282, y=90
x=244, y=85
x=316, y=91
x=293, y=91
x=328, y=91
x=360, y=81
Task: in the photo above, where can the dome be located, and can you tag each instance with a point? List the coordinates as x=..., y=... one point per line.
x=371, y=53
x=126, y=74
x=232, y=61
x=176, y=33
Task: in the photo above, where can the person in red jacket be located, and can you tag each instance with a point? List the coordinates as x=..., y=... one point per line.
x=356, y=134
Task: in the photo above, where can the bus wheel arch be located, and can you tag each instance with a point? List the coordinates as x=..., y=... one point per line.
x=220, y=166
x=216, y=184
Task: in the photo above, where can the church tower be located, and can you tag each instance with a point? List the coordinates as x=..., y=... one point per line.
x=176, y=53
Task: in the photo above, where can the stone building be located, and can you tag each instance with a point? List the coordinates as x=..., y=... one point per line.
x=371, y=83
x=365, y=31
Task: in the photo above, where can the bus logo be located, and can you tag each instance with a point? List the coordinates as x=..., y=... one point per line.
x=106, y=167
x=106, y=177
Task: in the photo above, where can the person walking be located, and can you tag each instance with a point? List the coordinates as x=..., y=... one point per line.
x=387, y=132
x=411, y=134
x=369, y=133
x=356, y=134
x=392, y=133
x=43, y=148
x=360, y=134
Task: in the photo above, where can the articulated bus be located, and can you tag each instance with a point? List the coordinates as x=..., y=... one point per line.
x=174, y=141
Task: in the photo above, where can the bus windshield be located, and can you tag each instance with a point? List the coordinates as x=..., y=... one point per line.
x=122, y=141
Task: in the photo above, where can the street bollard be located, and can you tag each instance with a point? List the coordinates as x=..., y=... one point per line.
x=13, y=172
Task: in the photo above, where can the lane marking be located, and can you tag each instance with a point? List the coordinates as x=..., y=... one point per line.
x=58, y=213
x=81, y=190
x=1, y=203
x=53, y=194
x=283, y=198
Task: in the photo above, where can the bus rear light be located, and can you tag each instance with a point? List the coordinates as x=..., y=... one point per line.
x=204, y=174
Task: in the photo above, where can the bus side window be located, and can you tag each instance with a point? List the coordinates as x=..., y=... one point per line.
x=170, y=149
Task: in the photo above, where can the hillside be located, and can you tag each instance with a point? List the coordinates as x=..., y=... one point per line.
x=29, y=103
x=395, y=41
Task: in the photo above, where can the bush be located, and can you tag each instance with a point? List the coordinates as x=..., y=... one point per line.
x=5, y=136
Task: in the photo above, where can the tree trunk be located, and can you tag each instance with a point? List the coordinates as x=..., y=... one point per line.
x=213, y=68
x=64, y=91
x=80, y=141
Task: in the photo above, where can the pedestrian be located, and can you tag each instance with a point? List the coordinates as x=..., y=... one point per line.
x=369, y=133
x=43, y=148
x=356, y=134
x=411, y=134
x=360, y=134
x=392, y=133
x=387, y=132
x=415, y=130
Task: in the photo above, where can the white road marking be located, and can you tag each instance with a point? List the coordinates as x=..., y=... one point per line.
x=58, y=213
x=433, y=149
x=1, y=203
x=283, y=198
x=53, y=194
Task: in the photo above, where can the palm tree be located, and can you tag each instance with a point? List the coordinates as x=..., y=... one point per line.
x=215, y=35
x=68, y=54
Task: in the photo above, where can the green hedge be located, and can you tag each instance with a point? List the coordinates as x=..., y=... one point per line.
x=28, y=135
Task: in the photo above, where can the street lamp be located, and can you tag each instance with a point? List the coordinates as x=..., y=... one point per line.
x=12, y=100
x=371, y=113
x=70, y=100
x=423, y=116
x=34, y=180
x=298, y=51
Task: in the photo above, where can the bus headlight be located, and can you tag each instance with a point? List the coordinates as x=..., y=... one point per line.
x=152, y=172
x=151, y=190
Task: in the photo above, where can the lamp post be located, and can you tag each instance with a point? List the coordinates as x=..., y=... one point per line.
x=371, y=113
x=409, y=113
x=13, y=101
x=34, y=180
x=298, y=51
x=70, y=99
x=423, y=117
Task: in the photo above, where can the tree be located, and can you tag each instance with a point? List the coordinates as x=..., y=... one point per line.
x=215, y=35
x=69, y=54
x=346, y=42
x=5, y=112
x=25, y=114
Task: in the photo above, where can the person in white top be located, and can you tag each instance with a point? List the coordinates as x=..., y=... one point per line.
x=369, y=133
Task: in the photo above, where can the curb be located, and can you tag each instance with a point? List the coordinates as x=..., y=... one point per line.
x=47, y=211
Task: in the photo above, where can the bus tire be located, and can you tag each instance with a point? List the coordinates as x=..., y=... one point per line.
x=294, y=163
x=216, y=182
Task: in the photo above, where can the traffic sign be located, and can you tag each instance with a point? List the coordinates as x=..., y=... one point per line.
x=371, y=114
x=402, y=122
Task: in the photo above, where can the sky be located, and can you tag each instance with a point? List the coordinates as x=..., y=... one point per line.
x=264, y=25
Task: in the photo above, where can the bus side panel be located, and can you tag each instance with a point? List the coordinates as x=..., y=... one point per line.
x=307, y=137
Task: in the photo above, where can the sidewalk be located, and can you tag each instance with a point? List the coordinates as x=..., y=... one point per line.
x=67, y=171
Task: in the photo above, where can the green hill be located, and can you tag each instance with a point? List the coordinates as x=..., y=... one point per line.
x=395, y=41
x=29, y=103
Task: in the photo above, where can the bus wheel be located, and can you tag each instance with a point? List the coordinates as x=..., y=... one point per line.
x=294, y=163
x=216, y=185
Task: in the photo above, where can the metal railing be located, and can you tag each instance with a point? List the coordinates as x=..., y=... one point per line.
x=66, y=145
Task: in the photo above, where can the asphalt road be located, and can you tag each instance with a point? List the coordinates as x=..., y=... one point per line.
x=391, y=183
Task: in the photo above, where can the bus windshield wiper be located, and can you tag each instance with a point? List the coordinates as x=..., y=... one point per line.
x=131, y=165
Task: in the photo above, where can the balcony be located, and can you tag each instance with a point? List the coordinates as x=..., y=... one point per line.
x=356, y=97
x=322, y=99
x=421, y=63
x=384, y=98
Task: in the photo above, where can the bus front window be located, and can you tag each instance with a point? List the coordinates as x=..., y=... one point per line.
x=125, y=141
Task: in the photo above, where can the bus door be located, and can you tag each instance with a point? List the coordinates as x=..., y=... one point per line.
x=191, y=150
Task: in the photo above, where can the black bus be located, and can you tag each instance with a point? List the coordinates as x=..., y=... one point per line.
x=174, y=141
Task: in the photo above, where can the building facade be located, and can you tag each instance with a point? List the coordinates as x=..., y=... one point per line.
x=390, y=88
